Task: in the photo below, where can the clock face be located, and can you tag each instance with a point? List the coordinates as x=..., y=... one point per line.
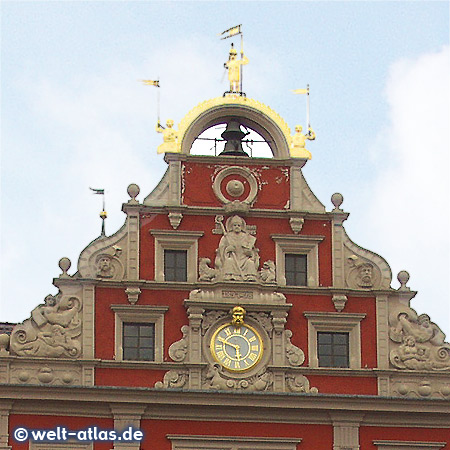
x=237, y=348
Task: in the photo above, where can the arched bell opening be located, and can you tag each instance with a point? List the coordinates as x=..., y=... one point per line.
x=260, y=127
x=218, y=141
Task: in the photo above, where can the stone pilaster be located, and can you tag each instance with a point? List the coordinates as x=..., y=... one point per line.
x=88, y=321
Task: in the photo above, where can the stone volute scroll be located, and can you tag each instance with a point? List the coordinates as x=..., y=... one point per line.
x=53, y=330
x=179, y=349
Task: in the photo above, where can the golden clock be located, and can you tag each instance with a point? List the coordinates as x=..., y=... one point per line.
x=237, y=348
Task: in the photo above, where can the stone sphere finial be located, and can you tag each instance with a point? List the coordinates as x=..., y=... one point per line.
x=133, y=191
x=64, y=264
x=337, y=200
x=403, y=278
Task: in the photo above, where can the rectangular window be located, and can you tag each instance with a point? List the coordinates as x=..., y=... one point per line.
x=175, y=265
x=138, y=341
x=295, y=270
x=332, y=349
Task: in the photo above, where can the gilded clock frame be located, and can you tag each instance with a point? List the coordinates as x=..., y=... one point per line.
x=234, y=370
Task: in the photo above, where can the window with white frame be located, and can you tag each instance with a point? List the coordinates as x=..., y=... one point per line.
x=139, y=332
x=176, y=255
x=408, y=445
x=67, y=445
x=323, y=326
x=287, y=265
x=181, y=442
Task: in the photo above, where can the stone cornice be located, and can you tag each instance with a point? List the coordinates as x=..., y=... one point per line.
x=213, y=405
x=155, y=285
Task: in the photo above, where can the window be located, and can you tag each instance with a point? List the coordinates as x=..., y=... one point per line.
x=139, y=332
x=173, y=249
x=175, y=265
x=295, y=269
x=180, y=442
x=408, y=445
x=297, y=259
x=138, y=341
x=326, y=331
x=69, y=444
x=332, y=349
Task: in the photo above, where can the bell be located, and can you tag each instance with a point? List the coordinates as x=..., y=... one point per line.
x=233, y=136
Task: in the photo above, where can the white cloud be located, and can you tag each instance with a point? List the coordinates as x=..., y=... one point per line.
x=92, y=131
x=409, y=213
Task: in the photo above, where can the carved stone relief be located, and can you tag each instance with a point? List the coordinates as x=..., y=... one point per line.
x=421, y=388
x=54, y=329
x=109, y=265
x=215, y=378
x=211, y=317
x=194, y=347
x=105, y=258
x=264, y=320
x=365, y=269
x=233, y=192
x=37, y=374
x=237, y=258
x=361, y=274
x=416, y=342
x=299, y=383
x=173, y=379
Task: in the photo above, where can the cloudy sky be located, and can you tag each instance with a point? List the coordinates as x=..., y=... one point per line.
x=74, y=115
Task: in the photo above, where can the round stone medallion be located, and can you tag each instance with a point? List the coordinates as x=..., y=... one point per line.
x=235, y=188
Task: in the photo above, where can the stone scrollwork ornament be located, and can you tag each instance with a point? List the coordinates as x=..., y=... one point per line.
x=173, y=379
x=178, y=350
x=264, y=382
x=299, y=383
x=210, y=318
x=421, y=342
x=294, y=355
x=264, y=320
x=54, y=330
x=216, y=379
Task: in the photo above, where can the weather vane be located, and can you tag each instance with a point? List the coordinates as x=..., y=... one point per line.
x=103, y=214
x=299, y=139
x=234, y=65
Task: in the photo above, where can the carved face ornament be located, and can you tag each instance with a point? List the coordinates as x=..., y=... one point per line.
x=238, y=315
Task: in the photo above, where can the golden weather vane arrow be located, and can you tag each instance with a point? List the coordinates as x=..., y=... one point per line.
x=156, y=84
x=305, y=91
